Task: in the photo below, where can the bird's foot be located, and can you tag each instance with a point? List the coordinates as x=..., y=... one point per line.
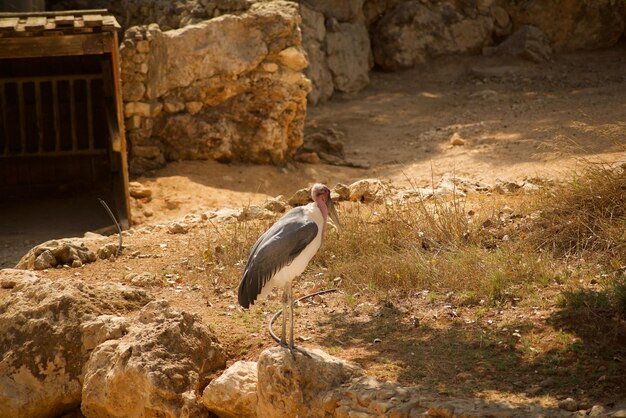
x=294, y=349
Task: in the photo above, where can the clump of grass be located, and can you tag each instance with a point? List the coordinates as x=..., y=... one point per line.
x=442, y=245
x=228, y=247
x=437, y=244
x=585, y=216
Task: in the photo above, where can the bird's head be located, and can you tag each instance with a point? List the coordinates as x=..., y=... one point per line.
x=320, y=194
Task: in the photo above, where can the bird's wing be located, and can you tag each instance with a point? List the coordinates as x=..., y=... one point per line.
x=276, y=248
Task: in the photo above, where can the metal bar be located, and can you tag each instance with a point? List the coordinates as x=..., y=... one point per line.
x=73, y=117
x=60, y=153
x=39, y=114
x=56, y=116
x=22, y=116
x=89, y=116
x=5, y=121
x=94, y=76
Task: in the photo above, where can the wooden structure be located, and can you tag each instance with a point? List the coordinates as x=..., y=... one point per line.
x=61, y=117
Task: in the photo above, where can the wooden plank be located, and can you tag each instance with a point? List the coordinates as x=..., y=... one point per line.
x=62, y=21
x=79, y=23
x=8, y=24
x=92, y=21
x=50, y=24
x=54, y=46
x=36, y=22
x=109, y=21
x=55, y=13
x=21, y=26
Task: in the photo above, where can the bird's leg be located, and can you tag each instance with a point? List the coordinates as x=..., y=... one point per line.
x=283, y=336
x=291, y=345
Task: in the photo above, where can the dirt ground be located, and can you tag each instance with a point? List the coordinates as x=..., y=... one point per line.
x=516, y=120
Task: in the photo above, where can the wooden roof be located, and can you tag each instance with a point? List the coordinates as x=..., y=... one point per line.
x=68, y=22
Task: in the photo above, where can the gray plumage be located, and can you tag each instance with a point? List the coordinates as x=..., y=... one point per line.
x=275, y=249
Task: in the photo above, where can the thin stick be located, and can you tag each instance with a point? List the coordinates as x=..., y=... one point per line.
x=119, y=228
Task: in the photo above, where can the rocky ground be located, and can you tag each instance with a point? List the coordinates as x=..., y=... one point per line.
x=493, y=121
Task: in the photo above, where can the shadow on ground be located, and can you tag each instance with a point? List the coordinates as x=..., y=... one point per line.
x=461, y=359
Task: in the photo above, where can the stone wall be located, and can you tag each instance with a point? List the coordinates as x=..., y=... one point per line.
x=227, y=88
x=335, y=37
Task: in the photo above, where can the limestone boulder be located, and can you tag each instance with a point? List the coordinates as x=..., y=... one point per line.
x=156, y=369
x=367, y=190
x=572, y=24
x=72, y=252
x=300, y=197
x=171, y=15
x=227, y=46
x=413, y=31
x=342, y=11
x=298, y=384
x=326, y=141
x=349, y=56
x=42, y=325
x=236, y=90
x=138, y=190
x=234, y=393
x=185, y=136
x=314, y=43
x=528, y=42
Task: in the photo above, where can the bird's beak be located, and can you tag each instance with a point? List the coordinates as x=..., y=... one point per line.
x=333, y=215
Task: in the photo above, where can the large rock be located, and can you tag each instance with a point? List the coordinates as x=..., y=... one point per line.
x=227, y=46
x=156, y=369
x=72, y=252
x=170, y=15
x=529, y=42
x=45, y=345
x=367, y=190
x=234, y=393
x=314, y=42
x=572, y=24
x=298, y=384
x=235, y=90
x=349, y=56
x=413, y=31
x=342, y=11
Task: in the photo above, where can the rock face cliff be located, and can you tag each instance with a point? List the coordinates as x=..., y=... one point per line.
x=227, y=88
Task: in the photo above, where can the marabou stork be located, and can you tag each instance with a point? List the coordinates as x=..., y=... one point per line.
x=284, y=250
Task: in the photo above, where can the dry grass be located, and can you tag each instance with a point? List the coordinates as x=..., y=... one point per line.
x=470, y=247
x=586, y=215
x=440, y=245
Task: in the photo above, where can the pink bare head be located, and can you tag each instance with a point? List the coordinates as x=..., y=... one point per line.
x=320, y=194
x=318, y=190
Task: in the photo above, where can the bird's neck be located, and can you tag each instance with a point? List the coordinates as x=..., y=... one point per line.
x=324, y=209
